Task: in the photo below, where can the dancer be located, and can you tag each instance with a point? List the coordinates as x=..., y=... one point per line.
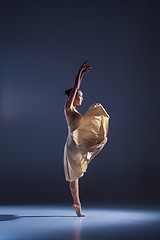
x=87, y=135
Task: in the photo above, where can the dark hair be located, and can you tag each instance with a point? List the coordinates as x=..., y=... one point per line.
x=68, y=91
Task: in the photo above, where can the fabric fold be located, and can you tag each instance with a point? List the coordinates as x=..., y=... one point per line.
x=85, y=135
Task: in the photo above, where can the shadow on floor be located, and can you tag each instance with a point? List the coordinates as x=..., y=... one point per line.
x=9, y=217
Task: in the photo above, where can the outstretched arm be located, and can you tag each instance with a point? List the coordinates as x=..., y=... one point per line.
x=83, y=69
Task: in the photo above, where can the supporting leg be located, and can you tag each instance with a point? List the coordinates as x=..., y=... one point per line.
x=74, y=187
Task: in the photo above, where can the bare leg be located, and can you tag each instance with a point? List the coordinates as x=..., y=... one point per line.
x=74, y=187
x=96, y=152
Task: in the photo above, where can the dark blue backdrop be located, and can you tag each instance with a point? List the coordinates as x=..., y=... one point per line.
x=43, y=44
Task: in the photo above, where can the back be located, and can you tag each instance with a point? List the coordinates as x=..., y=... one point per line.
x=71, y=115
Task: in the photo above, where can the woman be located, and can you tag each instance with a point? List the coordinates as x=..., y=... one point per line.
x=87, y=136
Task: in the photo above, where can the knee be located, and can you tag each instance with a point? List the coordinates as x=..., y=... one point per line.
x=105, y=141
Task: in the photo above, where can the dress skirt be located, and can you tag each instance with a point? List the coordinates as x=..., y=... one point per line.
x=85, y=135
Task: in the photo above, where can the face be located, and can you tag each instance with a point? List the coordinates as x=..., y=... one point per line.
x=79, y=97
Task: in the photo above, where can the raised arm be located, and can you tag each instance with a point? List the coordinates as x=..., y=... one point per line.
x=83, y=69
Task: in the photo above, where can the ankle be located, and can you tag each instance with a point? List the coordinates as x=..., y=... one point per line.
x=77, y=203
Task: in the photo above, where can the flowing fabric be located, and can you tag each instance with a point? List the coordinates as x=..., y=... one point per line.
x=85, y=135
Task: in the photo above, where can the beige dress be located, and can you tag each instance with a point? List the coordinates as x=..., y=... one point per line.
x=85, y=134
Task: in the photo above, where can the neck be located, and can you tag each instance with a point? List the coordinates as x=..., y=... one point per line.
x=74, y=106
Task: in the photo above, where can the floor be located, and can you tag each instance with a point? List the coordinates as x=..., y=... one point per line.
x=61, y=222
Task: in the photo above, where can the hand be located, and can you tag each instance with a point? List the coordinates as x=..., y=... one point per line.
x=83, y=69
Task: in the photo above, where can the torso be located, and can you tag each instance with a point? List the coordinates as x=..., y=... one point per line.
x=71, y=115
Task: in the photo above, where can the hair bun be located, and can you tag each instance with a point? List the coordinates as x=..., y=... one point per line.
x=68, y=91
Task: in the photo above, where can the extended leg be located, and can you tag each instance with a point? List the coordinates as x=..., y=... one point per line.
x=96, y=152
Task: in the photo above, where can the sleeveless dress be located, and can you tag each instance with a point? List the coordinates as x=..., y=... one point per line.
x=85, y=134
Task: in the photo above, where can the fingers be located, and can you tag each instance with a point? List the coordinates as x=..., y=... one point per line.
x=86, y=68
x=84, y=65
x=85, y=62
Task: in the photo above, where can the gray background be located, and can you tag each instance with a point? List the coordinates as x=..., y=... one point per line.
x=42, y=45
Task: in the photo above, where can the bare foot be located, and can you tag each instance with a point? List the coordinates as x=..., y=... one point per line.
x=77, y=208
